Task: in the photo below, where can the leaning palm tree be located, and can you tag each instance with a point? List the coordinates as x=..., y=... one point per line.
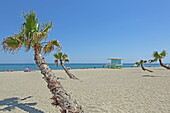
x=33, y=36
x=60, y=58
x=159, y=57
x=140, y=63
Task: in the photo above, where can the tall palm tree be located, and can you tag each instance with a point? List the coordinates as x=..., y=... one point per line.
x=158, y=57
x=60, y=58
x=33, y=36
x=140, y=63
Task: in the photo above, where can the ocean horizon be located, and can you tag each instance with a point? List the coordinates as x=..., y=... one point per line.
x=32, y=66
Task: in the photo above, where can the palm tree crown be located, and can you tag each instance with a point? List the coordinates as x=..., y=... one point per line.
x=32, y=33
x=141, y=62
x=158, y=56
x=62, y=57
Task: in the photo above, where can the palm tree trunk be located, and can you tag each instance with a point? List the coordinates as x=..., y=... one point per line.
x=163, y=65
x=60, y=96
x=145, y=69
x=67, y=71
x=142, y=67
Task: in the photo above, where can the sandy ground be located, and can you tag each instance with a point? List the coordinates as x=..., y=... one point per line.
x=128, y=90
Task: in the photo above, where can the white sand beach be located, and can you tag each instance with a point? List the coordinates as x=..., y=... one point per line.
x=129, y=90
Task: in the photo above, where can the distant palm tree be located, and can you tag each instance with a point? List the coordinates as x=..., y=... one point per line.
x=60, y=58
x=159, y=57
x=33, y=36
x=140, y=63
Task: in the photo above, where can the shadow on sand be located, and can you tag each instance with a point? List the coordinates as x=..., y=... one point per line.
x=14, y=102
x=151, y=76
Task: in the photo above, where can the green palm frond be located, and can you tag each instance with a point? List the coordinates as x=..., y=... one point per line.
x=31, y=24
x=152, y=60
x=66, y=60
x=56, y=56
x=156, y=55
x=56, y=62
x=60, y=55
x=144, y=61
x=19, y=38
x=65, y=55
x=11, y=44
x=163, y=53
x=45, y=29
x=138, y=63
x=141, y=62
x=50, y=46
x=56, y=43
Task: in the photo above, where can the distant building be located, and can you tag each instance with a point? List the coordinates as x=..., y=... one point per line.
x=115, y=63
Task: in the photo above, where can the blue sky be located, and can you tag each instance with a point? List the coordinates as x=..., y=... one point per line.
x=90, y=31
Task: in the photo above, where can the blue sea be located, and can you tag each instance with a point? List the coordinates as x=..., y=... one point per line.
x=21, y=67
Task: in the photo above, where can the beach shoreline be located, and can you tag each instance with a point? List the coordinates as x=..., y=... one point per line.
x=85, y=69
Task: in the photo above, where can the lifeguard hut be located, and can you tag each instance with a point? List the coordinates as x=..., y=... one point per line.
x=115, y=63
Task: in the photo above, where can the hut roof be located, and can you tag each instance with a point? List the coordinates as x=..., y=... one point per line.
x=113, y=59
